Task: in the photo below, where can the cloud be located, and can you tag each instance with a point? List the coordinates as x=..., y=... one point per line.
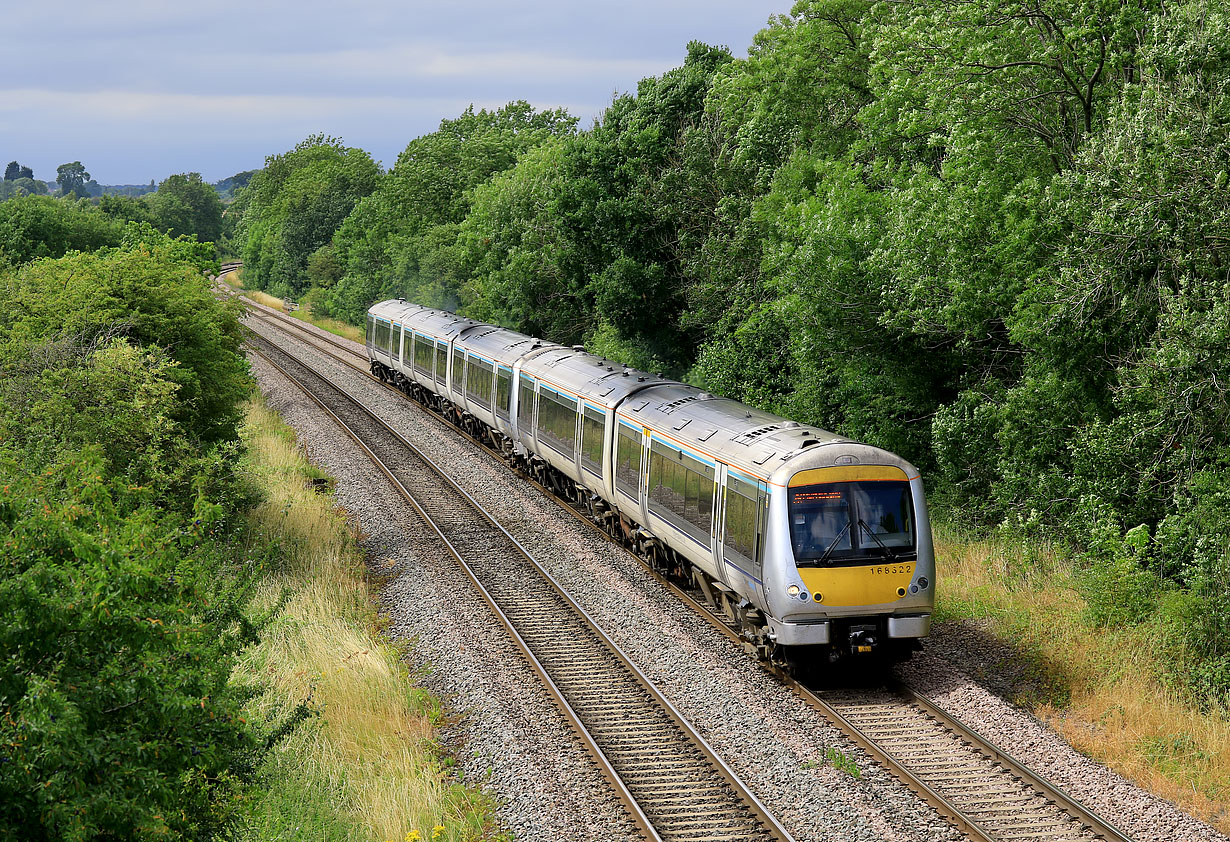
x=137, y=86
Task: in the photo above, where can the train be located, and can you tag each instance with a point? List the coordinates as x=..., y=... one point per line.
x=812, y=545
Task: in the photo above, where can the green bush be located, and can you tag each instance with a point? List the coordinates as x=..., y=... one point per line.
x=123, y=577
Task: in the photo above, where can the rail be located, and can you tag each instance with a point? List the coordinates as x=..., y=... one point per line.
x=673, y=784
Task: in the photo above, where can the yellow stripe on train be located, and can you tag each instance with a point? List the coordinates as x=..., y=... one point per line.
x=867, y=584
x=847, y=473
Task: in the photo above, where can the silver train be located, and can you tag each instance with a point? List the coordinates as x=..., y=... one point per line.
x=800, y=537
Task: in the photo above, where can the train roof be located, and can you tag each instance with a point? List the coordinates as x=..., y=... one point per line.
x=437, y=323
x=500, y=344
x=746, y=438
x=600, y=381
x=396, y=310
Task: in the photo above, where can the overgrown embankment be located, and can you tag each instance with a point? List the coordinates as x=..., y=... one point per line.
x=1112, y=691
x=360, y=761
x=123, y=588
x=189, y=650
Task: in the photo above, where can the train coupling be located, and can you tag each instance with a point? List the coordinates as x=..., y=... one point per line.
x=863, y=640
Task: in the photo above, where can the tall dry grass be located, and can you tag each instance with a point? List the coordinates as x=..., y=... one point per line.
x=1116, y=709
x=364, y=765
x=304, y=313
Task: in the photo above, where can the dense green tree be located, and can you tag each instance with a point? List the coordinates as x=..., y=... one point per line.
x=40, y=226
x=228, y=187
x=611, y=275
x=22, y=187
x=400, y=239
x=72, y=179
x=15, y=171
x=126, y=208
x=295, y=204
x=184, y=204
x=159, y=295
x=122, y=610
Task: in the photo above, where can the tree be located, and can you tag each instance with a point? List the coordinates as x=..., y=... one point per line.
x=40, y=226
x=399, y=240
x=112, y=498
x=12, y=171
x=185, y=205
x=72, y=179
x=294, y=205
x=126, y=208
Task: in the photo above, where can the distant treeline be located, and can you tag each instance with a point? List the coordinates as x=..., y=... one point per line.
x=34, y=225
x=989, y=236
x=72, y=179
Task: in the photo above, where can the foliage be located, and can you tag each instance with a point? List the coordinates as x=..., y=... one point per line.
x=72, y=179
x=123, y=587
x=293, y=206
x=399, y=241
x=22, y=186
x=15, y=171
x=228, y=187
x=40, y=226
x=155, y=295
x=184, y=205
x=586, y=241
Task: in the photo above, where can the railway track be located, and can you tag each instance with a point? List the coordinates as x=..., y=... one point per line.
x=978, y=787
x=674, y=786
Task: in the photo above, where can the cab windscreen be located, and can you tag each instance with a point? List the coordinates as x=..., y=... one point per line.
x=842, y=523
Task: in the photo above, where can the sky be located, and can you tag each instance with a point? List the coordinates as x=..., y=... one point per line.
x=141, y=89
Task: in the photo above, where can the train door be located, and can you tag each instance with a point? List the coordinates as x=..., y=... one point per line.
x=631, y=482
x=742, y=529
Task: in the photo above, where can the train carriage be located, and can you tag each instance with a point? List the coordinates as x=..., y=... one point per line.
x=802, y=537
x=567, y=400
x=489, y=355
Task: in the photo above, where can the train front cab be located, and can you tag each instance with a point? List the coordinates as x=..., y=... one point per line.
x=857, y=569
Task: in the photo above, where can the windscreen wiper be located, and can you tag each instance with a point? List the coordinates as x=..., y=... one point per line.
x=876, y=538
x=825, y=555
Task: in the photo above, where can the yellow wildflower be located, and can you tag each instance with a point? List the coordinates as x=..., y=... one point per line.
x=437, y=831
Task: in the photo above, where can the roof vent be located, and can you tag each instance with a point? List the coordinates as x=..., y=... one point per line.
x=746, y=438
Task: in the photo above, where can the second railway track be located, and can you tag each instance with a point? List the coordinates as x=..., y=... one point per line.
x=976, y=786
x=674, y=785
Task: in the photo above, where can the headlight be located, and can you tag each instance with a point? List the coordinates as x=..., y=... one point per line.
x=793, y=590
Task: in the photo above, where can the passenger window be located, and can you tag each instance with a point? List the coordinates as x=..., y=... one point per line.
x=628, y=460
x=593, y=429
x=503, y=392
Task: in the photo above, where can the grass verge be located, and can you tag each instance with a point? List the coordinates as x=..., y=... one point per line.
x=1100, y=688
x=359, y=761
x=304, y=313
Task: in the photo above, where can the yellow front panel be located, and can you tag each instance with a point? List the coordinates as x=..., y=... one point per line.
x=871, y=584
x=847, y=473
